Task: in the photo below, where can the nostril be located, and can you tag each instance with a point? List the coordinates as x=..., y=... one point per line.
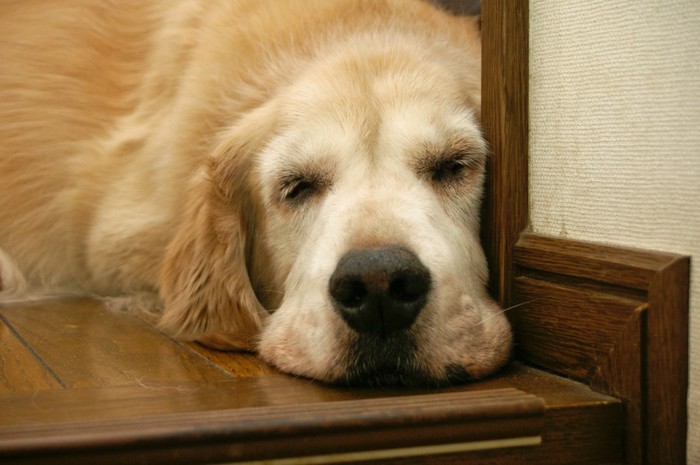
x=408, y=288
x=350, y=292
x=398, y=289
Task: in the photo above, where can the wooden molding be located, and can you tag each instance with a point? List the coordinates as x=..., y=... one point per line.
x=617, y=319
x=464, y=421
x=504, y=111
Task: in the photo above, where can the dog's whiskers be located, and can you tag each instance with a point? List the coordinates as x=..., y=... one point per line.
x=504, y=311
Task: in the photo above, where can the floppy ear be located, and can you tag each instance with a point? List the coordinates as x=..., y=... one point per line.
x=204, y=281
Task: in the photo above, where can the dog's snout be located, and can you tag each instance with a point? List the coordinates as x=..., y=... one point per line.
x=379, y=290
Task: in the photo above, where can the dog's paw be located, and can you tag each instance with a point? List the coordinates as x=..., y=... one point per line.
x=11, y=280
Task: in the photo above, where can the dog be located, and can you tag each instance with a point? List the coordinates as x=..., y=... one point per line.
x=298, y=178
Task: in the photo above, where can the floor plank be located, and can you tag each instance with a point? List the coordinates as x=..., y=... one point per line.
x=20, y=369
x=581, y=425
x=108, y=403
x=237, y=364
x=87, y=345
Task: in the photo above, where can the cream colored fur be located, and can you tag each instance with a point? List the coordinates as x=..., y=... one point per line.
x=148, y=146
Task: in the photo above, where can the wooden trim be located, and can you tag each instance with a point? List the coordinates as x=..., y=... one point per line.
x=468, y=421
x=616, y=318
x=279, y=417
x=504, y=109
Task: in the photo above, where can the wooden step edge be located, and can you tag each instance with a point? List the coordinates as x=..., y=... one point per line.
x=489, y=418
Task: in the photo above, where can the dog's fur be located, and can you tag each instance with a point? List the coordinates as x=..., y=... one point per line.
x=225, y=155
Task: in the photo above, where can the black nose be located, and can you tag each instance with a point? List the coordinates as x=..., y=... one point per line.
x=379, y=290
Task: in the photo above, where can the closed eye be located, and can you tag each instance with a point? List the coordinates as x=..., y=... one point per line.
x=297, y=187
x=298, y=190
x=449, y=169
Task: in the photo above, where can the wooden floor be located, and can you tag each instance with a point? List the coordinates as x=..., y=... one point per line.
x=77, y=379
x=103, y=364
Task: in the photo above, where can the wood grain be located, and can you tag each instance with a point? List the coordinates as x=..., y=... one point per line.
x=581, y=426
x=504, y=112
x=573, y=436
x=285, y=431
x=621, y=373
x=20, y=369
x=617, y=318
x=106, y=403
x=86, y=345
x=238, y=364
x=565, y=329
x=615, y=266
x=666, y=374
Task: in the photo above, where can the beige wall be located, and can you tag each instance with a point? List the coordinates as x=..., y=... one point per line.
x=615, y=133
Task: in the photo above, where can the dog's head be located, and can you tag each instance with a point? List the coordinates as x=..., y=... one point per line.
x=336, y=228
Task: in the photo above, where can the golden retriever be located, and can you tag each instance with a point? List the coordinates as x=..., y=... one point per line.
x=301, y=178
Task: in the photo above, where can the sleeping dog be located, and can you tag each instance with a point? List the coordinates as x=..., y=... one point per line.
x=300, y=178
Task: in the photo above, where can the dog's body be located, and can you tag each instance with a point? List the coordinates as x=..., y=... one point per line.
x=301, y=178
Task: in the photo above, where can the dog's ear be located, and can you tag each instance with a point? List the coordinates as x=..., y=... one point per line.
x=204, y=282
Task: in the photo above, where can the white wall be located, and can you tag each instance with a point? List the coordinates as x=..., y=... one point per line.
x=615, y=133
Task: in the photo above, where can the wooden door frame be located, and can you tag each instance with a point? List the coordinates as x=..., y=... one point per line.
x=504, y=111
